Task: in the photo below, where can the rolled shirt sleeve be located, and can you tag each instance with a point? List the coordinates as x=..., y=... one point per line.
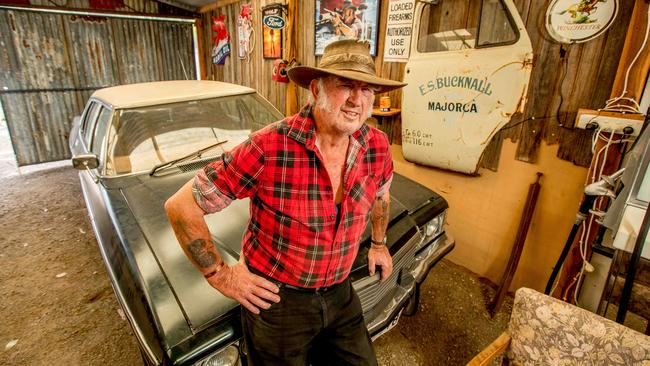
x=386, y=176
x=234, y=176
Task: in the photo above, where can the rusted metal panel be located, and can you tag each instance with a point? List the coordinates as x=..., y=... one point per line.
x=51, y=63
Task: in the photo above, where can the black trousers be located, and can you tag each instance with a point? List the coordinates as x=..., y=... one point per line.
x=309, y=328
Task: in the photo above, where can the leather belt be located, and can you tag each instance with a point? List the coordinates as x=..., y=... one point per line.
x=311, y=290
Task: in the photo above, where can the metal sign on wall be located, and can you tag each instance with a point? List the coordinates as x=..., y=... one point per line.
x=575, y=21
x=399, y=25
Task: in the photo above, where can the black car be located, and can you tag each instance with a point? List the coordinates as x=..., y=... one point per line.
x=135, y=145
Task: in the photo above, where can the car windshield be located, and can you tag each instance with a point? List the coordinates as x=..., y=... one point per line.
x=141, y=138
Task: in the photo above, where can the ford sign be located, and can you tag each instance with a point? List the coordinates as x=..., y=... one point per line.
x=273, y=22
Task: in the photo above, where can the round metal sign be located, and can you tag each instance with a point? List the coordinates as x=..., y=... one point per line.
x=575, y=21
x=273, y=22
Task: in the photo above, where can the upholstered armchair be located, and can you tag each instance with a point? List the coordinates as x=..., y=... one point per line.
x=546, y=331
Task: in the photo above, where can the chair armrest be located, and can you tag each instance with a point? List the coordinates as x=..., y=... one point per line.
x=493, y=350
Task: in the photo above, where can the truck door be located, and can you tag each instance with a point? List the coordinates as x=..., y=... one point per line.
x=468, y=73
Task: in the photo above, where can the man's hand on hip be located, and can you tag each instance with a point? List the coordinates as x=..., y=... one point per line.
x=250, y=290
x=378, y=255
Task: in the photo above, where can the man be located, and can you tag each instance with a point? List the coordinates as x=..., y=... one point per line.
x=313, y=179
x=348, y=24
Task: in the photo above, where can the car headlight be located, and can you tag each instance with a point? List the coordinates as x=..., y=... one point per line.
x=435, y=226
x=228, y=356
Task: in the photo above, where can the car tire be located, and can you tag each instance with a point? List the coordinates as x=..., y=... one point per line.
x=413, y=302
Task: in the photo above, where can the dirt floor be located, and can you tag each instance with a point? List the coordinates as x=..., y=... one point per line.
x=58, y=307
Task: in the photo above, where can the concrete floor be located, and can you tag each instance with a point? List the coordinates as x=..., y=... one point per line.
x=59, y=309
x=80, y=323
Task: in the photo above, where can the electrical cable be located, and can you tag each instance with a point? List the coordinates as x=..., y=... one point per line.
x=586, y=228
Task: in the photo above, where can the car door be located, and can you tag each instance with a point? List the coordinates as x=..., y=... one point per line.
x=468, y=73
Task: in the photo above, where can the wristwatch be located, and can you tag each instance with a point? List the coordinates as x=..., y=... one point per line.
x=378, y=242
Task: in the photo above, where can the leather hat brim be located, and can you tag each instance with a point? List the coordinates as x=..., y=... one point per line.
x=303, y=75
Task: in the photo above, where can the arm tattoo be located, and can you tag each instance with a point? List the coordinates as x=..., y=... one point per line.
x=381, y=211
x=199, y=249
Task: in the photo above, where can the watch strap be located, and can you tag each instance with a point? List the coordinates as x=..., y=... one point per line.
x=378, y=242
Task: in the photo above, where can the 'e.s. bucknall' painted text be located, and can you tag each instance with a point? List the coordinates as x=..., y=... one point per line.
x=481, y=86
x=471, y=83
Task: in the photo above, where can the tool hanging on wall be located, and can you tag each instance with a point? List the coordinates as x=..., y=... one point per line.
x=518, y=247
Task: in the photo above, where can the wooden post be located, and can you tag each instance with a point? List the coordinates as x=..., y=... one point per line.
x=633, y=41
x=518, y=247
x=291, y=100
x=201, y=45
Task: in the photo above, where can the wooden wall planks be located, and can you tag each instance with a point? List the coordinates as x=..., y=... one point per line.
x=564, y=77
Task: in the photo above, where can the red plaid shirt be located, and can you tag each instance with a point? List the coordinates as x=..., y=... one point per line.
x=292, y=235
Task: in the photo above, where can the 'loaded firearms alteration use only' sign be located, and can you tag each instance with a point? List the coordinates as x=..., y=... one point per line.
x=399, y=26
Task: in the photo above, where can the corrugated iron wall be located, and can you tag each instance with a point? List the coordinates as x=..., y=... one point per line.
x=51, y=63
x=579, y=76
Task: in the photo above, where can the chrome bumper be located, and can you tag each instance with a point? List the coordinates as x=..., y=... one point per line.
x=407, y=274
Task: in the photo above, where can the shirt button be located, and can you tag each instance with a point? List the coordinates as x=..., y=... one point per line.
x=332, y=217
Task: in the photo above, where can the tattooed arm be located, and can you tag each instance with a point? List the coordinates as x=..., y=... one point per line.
x=236, y=282
x=378, y=255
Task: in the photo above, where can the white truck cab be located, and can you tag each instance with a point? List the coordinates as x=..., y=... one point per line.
x=467, y=74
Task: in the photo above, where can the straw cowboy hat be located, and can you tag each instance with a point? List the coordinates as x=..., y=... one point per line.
x=348, y=59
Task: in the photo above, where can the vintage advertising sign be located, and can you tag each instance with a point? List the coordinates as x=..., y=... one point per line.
x=221, y=40
x=244, y=31
x=575, y=21
x=273, y=23
x=399, y=25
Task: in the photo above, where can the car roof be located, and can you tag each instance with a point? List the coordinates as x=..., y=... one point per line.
x=162, y=92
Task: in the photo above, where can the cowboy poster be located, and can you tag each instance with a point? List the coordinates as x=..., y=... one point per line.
x=346, y=19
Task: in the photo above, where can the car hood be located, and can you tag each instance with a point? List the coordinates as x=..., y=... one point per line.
x=200, y=304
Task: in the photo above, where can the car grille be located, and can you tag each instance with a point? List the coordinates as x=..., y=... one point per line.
x=371, y=295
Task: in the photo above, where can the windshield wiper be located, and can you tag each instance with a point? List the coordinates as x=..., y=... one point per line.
x=196, y=154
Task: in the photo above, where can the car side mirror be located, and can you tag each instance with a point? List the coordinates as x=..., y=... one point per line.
x=85, y=161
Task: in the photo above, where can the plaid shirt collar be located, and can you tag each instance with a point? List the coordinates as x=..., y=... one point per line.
x=303, y=130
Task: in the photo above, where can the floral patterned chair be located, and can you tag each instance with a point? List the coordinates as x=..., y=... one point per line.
x=546, y=331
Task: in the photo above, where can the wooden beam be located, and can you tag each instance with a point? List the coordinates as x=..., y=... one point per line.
x=291, y=99
x=217, y=4
x=633, y=41
x=201, y=46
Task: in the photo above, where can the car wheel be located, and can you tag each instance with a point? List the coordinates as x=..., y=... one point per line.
x=413, y=303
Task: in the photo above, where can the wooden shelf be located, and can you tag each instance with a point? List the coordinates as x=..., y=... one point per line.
x=391, y=113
